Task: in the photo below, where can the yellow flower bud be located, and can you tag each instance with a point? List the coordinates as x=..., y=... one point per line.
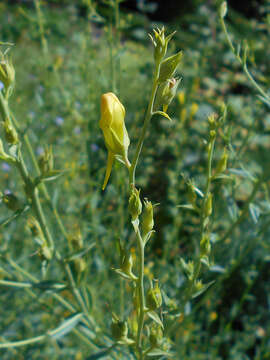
x=114, y=130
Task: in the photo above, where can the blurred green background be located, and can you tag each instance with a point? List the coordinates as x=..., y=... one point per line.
x=63, y=53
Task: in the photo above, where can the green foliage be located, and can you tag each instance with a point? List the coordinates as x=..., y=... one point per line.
x=210, y=248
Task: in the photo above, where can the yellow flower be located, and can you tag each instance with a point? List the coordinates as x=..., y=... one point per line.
x=114, y=130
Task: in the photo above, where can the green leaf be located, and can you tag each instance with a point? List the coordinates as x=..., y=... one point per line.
x=254, y=212
x=52, y=175
x=100, y=354
x=162, y=113
x=221, y=177
x=159, y=352
x=242, y=172
x=14, y=216
x=13, y=150
x=263, y=99
x=124, y=275
x=203, y=289
x=81, y=253
x=66, y=327
x=187, y=206
x=154, y=316
x=49, y=285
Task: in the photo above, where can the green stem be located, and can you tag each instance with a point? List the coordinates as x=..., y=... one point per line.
x=242, y=61
x=140, y=242
x=147, y=119
x=140, y=285
x=43, y=187
x=245, y=210
x=44, y=43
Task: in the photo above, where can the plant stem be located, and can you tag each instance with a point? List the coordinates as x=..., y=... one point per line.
x=140, y=285
x=243, y=62
x=147, y=119
x=245, y=210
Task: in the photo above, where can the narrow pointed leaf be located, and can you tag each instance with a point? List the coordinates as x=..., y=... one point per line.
x=162, y=113
x=158, y=352
x=66, y=327
x=154, y=316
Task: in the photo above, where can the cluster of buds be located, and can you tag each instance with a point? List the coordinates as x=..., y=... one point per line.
x=160, y=42
x=112, y=123
x=168, y=84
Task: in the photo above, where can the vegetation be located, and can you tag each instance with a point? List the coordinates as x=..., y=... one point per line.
x=168, y=257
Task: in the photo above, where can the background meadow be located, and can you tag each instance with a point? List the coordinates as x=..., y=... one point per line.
x=66, y=54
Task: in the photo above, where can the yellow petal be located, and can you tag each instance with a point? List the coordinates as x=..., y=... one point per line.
x=110, y=161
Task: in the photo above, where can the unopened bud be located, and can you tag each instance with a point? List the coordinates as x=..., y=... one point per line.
x=208, y=205
x=147, y=218
x=212, y=121
x=160, y=43
x=7, y=72
x=153, y=297
x=223, y=10
x=127, y=266
x=156, y=335
x=205, y=246
x=11, y=135
x=76, y=240
x=166, y=92
x=192, y=196
x=119, y=329
x=212, y=134
x=198, y=285
x=80, y=267
x=169, y=66
x=134, y=204
x=222, y=164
